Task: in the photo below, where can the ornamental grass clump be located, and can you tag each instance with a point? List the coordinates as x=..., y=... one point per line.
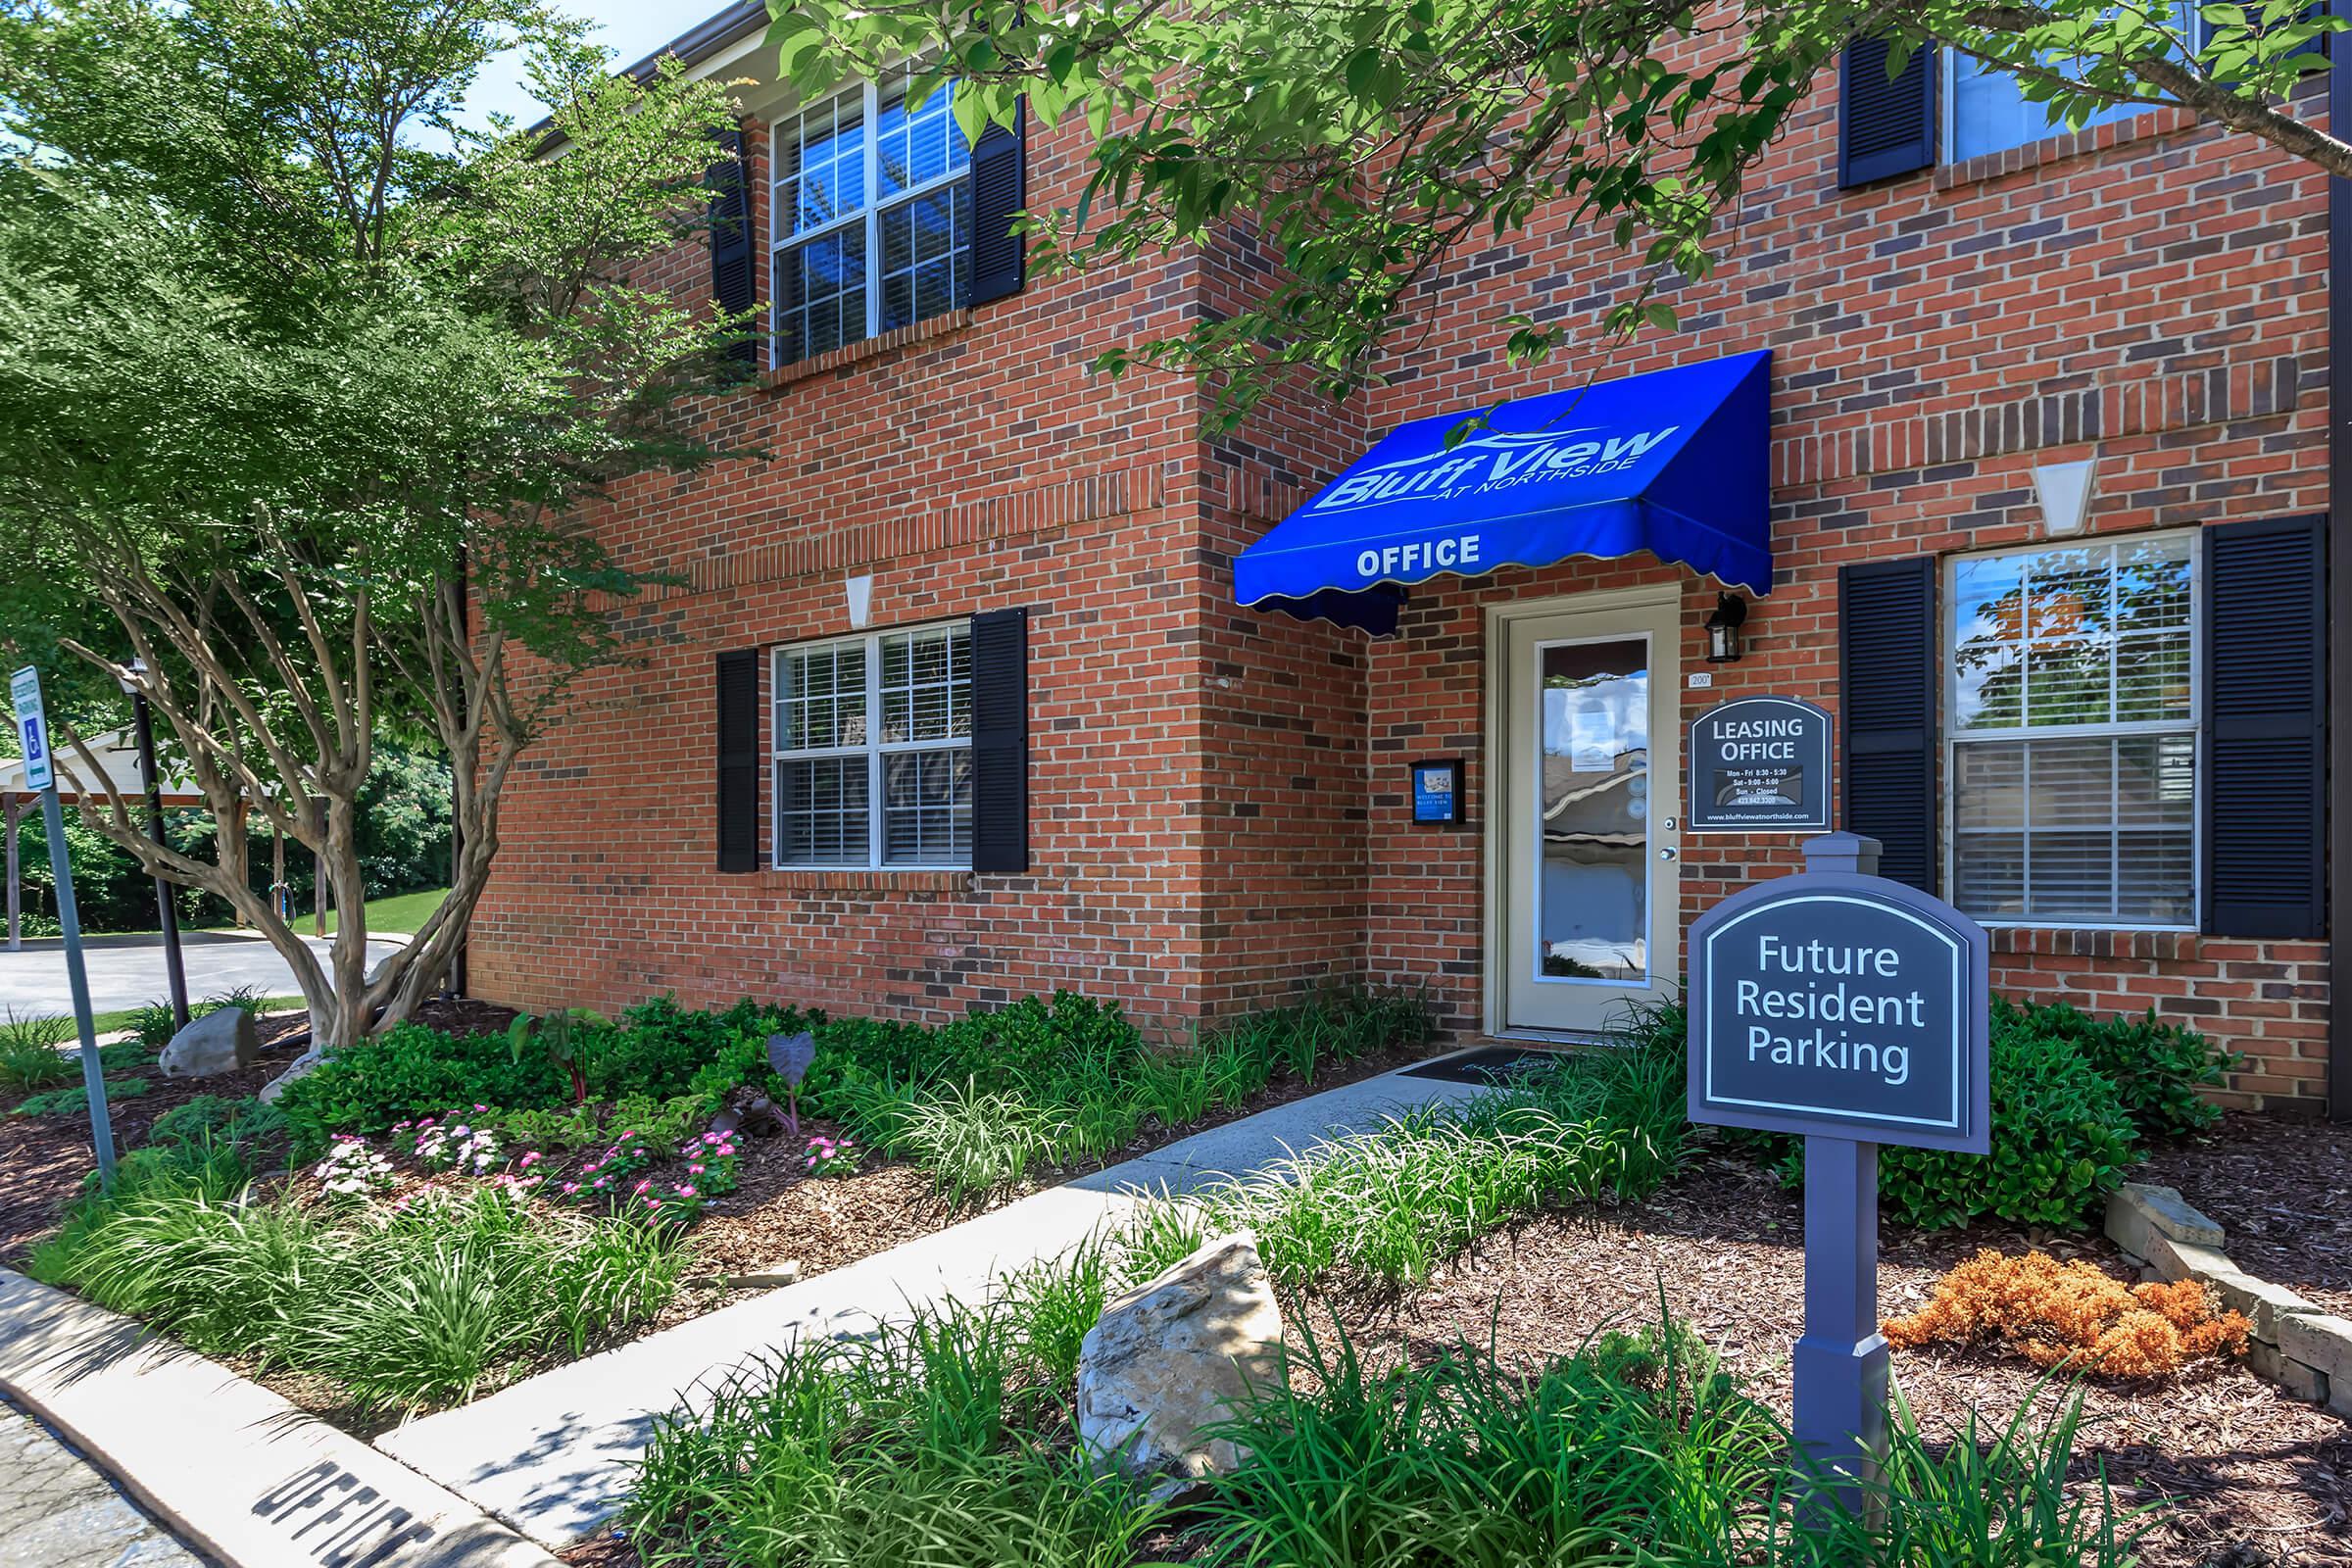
x=943, y=1440
x=1390, y=1205
x=31, y=1053
x=401, y=1307
x=2073, y=1316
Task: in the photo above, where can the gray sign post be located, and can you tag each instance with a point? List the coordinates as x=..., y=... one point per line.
x=41, y=771
x=1852, y=1011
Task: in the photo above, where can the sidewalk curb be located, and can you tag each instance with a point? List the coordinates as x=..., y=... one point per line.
x=234, y=1469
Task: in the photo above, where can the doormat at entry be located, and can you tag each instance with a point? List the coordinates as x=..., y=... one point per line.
x=1493, y=1064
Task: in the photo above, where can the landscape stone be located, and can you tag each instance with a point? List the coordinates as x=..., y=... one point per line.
x=2263, y=1302
x=2179, y=1260
x=2294, y=1378
x=221, y=1040
x=766, y=1277
x=1177, y=1354
x=2320, y=1341
x=2138, y=1211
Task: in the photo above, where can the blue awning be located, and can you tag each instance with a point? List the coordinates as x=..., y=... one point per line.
x=1672, y=463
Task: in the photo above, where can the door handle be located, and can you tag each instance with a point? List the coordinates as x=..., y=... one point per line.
x=1666, y=855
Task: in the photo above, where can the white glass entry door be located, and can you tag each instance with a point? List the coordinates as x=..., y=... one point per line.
x=1589, y=879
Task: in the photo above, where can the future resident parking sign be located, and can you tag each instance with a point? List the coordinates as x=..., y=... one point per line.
x=1843, y=1005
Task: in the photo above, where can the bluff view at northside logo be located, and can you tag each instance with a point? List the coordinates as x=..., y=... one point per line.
x=1674, y=462
x=1488, y=463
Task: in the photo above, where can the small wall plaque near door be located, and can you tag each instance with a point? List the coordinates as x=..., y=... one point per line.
x=1438, y=793
x=1760, y=765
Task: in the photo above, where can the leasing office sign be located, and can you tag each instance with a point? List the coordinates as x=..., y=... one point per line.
x=1759, y=765
x=1843, y=1005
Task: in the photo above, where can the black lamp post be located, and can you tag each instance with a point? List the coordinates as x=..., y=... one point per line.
x=165, y=909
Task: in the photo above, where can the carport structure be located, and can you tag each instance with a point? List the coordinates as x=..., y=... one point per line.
x=116, y=755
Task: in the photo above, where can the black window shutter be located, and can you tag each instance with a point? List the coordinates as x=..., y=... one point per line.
x=738, y=684
x=1886, y=668
x=999, y=192
x=2266, y=728
x=1001, y=741
x=1884, y=126
x=734, y=276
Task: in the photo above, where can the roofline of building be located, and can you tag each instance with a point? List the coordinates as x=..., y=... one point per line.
x=699, y=43
x=692, y=47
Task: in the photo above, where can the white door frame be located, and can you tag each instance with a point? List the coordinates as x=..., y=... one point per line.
x=1666, y=785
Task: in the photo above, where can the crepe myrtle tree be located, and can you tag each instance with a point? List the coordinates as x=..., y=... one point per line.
x=1368, y=139
x=300, y=387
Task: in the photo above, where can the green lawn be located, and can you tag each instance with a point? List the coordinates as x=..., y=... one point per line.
x=401, y=915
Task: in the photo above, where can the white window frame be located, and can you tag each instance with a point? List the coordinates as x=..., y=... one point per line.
x=874, y=750
x=871, y=211
x=1947, y=643
x=1948, y=109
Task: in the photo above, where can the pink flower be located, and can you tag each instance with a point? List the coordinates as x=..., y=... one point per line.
x=694, y=1170
x=686, y=1191
x=641, y=1186
x=631, y=1134
x=571, y=1188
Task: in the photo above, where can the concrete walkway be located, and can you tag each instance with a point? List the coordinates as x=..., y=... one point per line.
x=233, y=1469
x=127, y=971
x=553, y=1455
x=57, y=1510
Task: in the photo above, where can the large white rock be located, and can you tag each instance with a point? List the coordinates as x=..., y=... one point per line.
x=221, y=1040
x=1178, y=1355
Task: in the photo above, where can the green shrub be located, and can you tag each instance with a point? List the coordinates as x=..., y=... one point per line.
x=2061, y=1141
x=404, y=1309
x=125, y=1055
x=660, y=1050
x=76, y=1101
x=2158, y=1068
x=412, y=1070
x=29, y=1053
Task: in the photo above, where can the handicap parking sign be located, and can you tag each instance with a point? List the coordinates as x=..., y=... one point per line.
x=33, y=726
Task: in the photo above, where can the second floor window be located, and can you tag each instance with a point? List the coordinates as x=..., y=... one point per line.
x=872, y=215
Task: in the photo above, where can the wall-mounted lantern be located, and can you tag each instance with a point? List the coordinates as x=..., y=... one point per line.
x=1723, y=629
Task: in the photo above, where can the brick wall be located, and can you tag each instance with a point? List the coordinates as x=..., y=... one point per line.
x=1219, y=802
x=2157, y=288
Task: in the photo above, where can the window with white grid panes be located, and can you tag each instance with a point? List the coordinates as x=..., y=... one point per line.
x=2071, y=759
x=874, y=749
x=871, y=217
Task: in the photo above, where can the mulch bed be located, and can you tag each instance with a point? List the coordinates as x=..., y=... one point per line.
x=2283, y=1191
x=2254, y=1476
x=773, y=1216
x=43, y=1159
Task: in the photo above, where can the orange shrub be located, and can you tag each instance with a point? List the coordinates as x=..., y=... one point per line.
x=2073, y=1315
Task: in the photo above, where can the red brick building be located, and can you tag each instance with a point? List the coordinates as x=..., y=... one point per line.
x=956, y=701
